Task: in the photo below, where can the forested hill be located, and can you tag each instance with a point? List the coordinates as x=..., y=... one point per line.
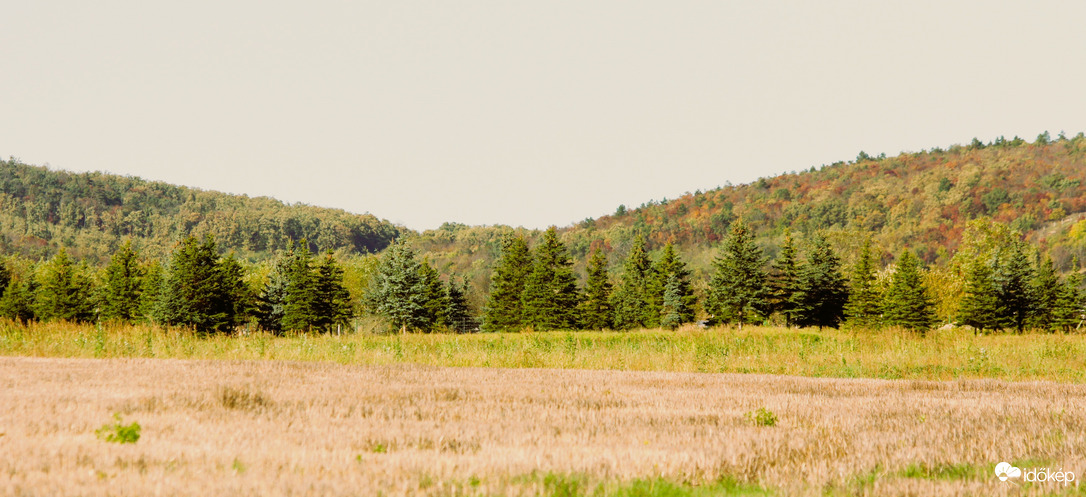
x=90, y=213
x=920, y=200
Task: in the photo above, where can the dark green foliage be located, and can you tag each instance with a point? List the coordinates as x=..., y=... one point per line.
x=503, y=310
x=300, y=305
x=150, y=288
x=120, y=295
x=1071, y=302
x=634, y=302
x=5, y=277
x=908, y=304
x=672, y=311
x=397, y=291
x=458, y=314
x=201, y=290
x=737, y=291
x=784, y=281
x=667, y=267
x=550, y=297
x=980, y=307
x=596, y=310
x=65, y=291
x=1045, y=294
x=17, y=302
x=333, y=303
x=436, y=300
x=864, y=307
x=271, y=303
x=1013, y=282
x=822, y=292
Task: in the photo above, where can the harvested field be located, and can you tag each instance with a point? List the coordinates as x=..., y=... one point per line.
x=281, y=428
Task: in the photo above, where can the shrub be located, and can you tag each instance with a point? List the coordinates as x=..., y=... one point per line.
x=118, y=432
x=762, y=417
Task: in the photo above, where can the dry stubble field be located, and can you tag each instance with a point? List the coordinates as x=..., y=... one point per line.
x=289, y=428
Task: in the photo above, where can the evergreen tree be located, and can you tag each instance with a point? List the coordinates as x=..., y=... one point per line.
x=397, y=291
x=436, y=302
x=17, y=302
x=1014, y=289
x=150, y=288
x=1045, y=293
x=669, y=264
x=300, y=311
x=503, y=310
x=673, y=303
x=234, y=295
x=550, y=296
x=5, y=277
x=333, y=306
x=822, y=291
x=633, y=302
x=784, y=282
x=980, y=307
x=199, y=291
x=908, y=304
x=1071, y=302
x=120, y=298
x=864, y=307
x=458, y=313
x=272, y=301
x=737, y=291
x=65, y=292
x=596, y=308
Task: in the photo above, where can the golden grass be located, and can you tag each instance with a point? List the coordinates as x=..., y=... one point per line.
x=941, y=355
x=308, y=428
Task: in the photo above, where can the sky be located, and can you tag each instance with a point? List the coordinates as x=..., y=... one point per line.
x=515, y=112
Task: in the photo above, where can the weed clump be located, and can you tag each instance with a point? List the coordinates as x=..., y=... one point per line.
x=118, y=432
x=762, y=417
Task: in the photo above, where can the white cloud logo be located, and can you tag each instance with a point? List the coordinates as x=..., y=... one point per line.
x=1004, y=470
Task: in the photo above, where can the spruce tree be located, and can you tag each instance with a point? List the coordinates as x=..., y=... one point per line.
x=822, y=292
x=5, y=277
x=784, y=282
x=550, y=297
x=65, y=291
x=300, y=311
x=150, y=288
x=17, y=302
x=333, y=303
x=737, y=291
x=1013, y=281
x=596, y=308
x=397, y=292
x=458, y=313
x=633, y=301
x=272, y=301
x=120, y=298
x=672, y=312
x=908, y=304
x=436, y=302
x=1045, y=292
x=670, y=264
x=1071, y=302
x=199, y=290
x=980, y=306
x=503, y=310
x=864, y=307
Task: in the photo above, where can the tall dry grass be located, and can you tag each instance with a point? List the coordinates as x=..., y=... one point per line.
x=940, y=355
x=292, y=428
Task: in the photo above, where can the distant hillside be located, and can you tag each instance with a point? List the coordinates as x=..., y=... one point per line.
x=41, y=210
x=917, y=200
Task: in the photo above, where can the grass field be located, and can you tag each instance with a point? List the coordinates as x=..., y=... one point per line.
x=941, y=355
x=292, y=428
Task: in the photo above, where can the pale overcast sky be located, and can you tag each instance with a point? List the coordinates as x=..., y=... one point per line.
x=516, y=112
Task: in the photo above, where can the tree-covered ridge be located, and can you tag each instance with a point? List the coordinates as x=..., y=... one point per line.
x=91, y=213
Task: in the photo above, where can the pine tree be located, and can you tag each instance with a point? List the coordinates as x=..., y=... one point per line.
x=503, y=310
x=272, y=301
x=669, y=264
x=550, y=297
x=199, y=290
x=1071, y=303
x=1014, y=289
x=980, y=307
x=436, y=301
x=65, y=292
x=908, y=304
x=234, y=297
x=784, y=282
x=120, y=299
x=150, y=288
x=333, y=303
x=300, y=311
x=596, y=308
x=673, y=304
x=458, y=313
x=864, y=307
x=1045, y=293
x=822, y=292
x=397, y=292
x=17, y=302
x=5, y=277
x=633, y=302
x=737, y=291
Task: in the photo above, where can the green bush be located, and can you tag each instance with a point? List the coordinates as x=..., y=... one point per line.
x=762, y=417
x=118, y=432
